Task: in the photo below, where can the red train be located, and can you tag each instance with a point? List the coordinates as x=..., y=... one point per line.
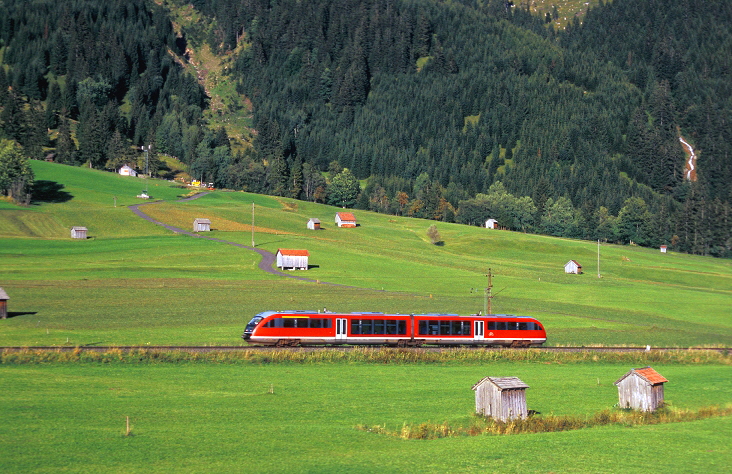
x=295, y=328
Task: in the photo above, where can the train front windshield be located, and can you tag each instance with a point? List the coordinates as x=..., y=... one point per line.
x=250, y=326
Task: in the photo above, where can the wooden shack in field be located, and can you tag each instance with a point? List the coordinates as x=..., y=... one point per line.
x=314, y=223
x=491, y=224
x=572, y=267
x=201, y=225
x=293, y=259
x=127, y=171
x=3, y=304
x=641, y=389
x=502, y=398
x=78, y=232
x=345, y=219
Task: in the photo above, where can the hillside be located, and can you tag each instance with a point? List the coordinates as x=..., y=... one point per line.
x=134, y=282
x=451, y=111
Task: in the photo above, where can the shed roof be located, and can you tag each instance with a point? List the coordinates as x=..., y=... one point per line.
x=294, y=252
x=201, y=220
x=346, y=216
x=315, y=220
x=3, y=295
x=573, y=261
x=503, y=383
x=78, y=228
x=647, y=374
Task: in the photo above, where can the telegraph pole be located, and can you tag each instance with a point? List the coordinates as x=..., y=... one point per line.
x=598, y=258
x=252, y=224
x=488, y=296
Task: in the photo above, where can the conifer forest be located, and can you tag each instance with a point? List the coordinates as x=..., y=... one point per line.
x=616, y=127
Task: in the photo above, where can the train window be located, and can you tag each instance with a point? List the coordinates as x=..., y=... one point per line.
x=512, y=325
x=298, y=323
x=523, y=326
x=444, y=328
x=379, y=326
x=537, y=327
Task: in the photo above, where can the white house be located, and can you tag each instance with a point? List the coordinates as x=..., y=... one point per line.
x=345, y=219
x=127, y=171
x=292, y=258
x=491, y=224
x=573, y=267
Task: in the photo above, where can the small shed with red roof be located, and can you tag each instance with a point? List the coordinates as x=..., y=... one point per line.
x=572, y=267
x=641, y=389
x=293, y=259
x=345, y=219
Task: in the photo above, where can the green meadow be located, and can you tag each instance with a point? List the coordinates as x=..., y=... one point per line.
x=301, y=417
x=135, y=283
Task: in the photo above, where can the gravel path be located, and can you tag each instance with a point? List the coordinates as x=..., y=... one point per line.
x=268, y=258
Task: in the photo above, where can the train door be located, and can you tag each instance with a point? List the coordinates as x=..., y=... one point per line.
x=479, y=330
x=341, y=328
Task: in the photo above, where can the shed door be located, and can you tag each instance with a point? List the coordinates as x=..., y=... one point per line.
x=479, y=328
x=341, y=326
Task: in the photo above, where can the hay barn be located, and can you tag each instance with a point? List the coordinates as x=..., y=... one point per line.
x=3, y=304
x=502, y=398
x=293, y=259
x=201, y=225
x=641, y=389
x=78, y=232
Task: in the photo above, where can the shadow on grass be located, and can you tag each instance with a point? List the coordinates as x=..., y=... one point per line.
x=15, y=314
x=49, y=191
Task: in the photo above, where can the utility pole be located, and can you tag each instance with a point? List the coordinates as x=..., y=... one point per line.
x=598, y=258
x=147, y=166
x=488, y=296
x=252, y=224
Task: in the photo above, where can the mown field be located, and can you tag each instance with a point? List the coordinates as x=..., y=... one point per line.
x=136, y=283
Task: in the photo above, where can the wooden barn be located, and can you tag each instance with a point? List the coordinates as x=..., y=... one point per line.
x=314, y=223
x=345, y=219
x=201, y=225
x=491, y=224
x=502, y=398
x=572, y=267
x=292, y=259
x=3, y=304
x=641, y=389
x=78, y=232
x=663, y=248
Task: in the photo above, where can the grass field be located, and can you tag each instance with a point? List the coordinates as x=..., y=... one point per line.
x=136, y=283
x=223, y=417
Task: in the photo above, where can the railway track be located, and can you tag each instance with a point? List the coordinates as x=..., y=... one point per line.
x=202, y=349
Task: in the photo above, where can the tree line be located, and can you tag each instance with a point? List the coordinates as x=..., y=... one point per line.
x=454, y=111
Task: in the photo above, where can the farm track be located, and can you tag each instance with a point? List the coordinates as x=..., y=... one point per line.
x=345, y=348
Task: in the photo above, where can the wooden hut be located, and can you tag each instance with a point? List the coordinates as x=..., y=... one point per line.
x=314, y=223
x=641, y=389
x=3, y=304
x=491, y=224
x=78, y=232
x=292, y=259
x=345, y=219
x=201, y=225
x=502, y=398
x=572, y=267
x=663, y=248
x=127, y=171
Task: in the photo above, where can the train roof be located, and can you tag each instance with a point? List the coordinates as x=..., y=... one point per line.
x=264, y=314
